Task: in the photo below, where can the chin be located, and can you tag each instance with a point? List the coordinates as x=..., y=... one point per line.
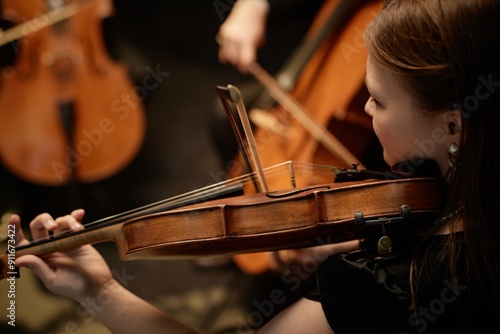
x=388, y=160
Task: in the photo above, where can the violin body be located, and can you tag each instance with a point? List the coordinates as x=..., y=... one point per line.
x=290, y=218
x=287, y=219
x=68, y=111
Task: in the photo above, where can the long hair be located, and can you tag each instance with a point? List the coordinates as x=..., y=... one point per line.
x=447, y=52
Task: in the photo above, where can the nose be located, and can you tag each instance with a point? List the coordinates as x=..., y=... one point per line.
x=369, y=108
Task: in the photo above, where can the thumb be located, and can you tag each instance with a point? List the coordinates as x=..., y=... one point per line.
x=37, y=265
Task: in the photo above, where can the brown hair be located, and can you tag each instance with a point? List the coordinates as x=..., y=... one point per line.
x=447, y=52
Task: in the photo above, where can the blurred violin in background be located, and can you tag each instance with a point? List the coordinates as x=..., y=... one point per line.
x=68, y=111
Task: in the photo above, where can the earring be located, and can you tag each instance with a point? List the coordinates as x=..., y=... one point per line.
x=452, y=153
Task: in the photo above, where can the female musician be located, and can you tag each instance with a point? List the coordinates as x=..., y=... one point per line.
x=434, y=79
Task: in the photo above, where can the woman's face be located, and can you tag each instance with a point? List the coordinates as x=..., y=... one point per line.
x=405, y=133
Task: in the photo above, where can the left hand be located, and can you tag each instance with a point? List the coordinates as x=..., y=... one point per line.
x=78, y=273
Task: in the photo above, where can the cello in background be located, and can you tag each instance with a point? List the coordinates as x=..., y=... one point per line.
x=331, y=88
x=68, y=112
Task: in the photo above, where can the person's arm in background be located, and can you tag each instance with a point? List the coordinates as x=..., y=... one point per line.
x=242, y=33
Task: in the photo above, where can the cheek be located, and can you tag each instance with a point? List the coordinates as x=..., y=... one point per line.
x=391, y=136
x=384, y=130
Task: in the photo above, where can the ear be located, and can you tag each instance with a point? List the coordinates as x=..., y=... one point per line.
x=453, y=122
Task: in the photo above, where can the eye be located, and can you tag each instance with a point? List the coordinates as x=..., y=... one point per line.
x=371, y=99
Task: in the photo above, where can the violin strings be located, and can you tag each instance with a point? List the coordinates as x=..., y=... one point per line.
x=196, y=196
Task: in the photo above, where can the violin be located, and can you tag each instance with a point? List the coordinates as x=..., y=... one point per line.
x=354, y=205
x=69, y=112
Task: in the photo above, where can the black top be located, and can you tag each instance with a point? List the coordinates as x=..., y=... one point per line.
x=361, y=293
